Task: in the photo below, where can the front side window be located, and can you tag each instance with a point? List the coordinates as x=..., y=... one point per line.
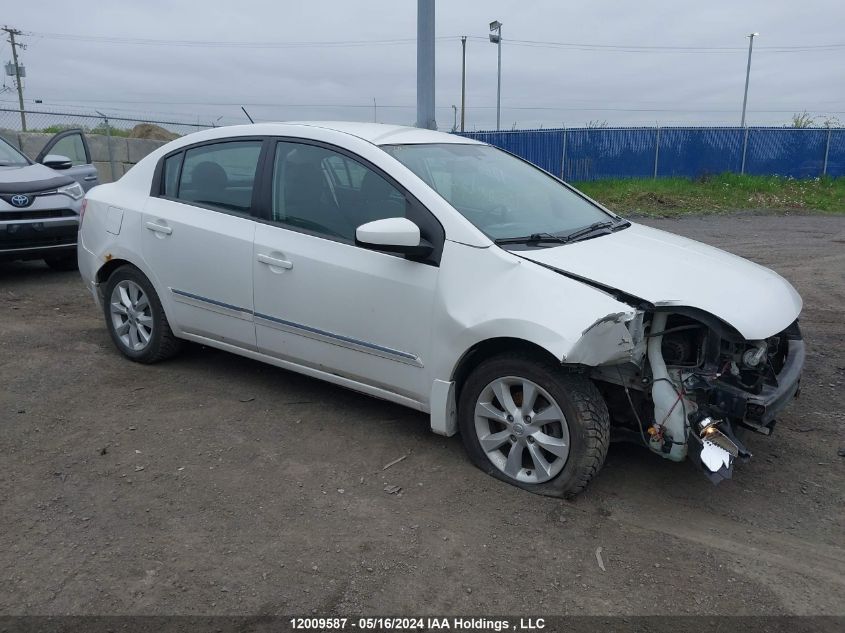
x=72, y=147
x=501, y=195
x=328, y=193
x=220, y=175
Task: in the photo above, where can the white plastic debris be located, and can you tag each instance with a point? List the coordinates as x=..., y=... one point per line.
x=714, y=457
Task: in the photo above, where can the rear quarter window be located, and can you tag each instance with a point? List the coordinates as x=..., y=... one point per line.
x=172, y=165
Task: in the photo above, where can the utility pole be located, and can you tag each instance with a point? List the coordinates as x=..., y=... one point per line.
x=12, y=32
x=747, y=75
x=463, y=78
x=425, y=65
x=496, y=38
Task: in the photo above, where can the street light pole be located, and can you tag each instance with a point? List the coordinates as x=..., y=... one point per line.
x=747, y=75
x=463, y=78
x=496, y=38
x=425, y=64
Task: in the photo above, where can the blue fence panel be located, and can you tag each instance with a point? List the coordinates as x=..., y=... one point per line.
x=785, y=152
x=609, y=153
x=697, y=152
x=594, y=153
x=836, y=154
x=544, y=148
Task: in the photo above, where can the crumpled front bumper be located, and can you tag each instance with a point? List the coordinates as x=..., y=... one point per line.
x=773, y=400
x=758, y=412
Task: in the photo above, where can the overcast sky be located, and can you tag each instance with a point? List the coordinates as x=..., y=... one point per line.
x=541, y=84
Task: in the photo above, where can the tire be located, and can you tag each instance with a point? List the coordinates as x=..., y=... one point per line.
x=130, y=300
x=574, y=447
x=68, y=262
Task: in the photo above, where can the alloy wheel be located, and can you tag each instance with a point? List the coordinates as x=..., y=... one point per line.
x=522, y=430
x=131, y=315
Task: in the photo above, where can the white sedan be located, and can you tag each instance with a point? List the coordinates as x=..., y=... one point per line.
x=448, y=276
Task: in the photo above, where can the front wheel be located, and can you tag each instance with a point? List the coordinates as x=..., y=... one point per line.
x=531, y=423
x=135, y=319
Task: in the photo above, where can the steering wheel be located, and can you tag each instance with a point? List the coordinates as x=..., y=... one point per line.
x=496, y=213
x=499, y=212
x=310, y=225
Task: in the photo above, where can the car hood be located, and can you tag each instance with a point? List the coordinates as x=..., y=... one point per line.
x=30, y=178
x=669, y=270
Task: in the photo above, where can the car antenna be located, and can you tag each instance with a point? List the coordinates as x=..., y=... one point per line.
x=247, y=115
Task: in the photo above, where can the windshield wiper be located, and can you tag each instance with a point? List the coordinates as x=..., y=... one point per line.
x=551, y=238
x=613, y=225
x=534, y=238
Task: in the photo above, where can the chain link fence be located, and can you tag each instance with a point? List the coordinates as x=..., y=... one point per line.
x=571, y=153
x=92, y=123
x=115, y=143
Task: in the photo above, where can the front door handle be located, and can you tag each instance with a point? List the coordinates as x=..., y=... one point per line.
x=159, y=228
x=89, y=178
x=274, y=262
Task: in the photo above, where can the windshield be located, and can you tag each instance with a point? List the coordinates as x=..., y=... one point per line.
x=9, y=156
x=503, y=196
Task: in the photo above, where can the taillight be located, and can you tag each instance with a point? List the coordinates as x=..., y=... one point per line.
x=82, y=211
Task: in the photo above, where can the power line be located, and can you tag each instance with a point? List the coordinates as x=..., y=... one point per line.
x=623, y=48
x=226, y=44
x=634, y=48
x=579, y=108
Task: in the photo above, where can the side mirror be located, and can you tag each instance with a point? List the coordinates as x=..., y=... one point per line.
x=56, y=161
x=394, y=235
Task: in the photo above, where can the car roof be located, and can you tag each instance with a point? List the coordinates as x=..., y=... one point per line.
x=376, y=133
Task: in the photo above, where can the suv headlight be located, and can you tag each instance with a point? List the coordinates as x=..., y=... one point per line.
x=72, y=190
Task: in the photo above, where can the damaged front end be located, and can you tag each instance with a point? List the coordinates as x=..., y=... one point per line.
x=686, y=384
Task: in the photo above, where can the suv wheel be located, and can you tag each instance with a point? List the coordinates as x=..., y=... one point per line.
x=531, y=423
x=135, y=319
x=68, y=262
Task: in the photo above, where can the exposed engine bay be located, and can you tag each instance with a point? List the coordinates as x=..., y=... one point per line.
x=690, y=385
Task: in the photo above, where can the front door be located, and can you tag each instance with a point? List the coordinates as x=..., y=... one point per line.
x=72, y=145
x=322, y=301
x=198, y=238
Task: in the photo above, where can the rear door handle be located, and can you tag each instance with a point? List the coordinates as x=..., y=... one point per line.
x=89, y=178
x=275, y=262
x=159, y=228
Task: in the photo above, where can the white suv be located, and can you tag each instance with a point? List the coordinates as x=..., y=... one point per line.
x=451, y=277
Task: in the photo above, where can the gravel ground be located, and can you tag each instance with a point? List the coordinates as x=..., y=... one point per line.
x=212, y=484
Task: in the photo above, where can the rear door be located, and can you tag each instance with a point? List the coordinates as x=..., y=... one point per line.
x=73, y=145
x=197, y=236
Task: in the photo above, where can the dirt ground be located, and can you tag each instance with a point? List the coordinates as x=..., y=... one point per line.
x=212, y=484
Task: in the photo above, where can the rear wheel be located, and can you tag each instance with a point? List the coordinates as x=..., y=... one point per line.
x=529, y=422
x=67, y=262
x=135, y=319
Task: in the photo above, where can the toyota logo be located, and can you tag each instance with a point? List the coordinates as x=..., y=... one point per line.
x=20, y=200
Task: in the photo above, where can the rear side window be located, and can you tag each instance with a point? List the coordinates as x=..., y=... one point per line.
x=220, y=175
